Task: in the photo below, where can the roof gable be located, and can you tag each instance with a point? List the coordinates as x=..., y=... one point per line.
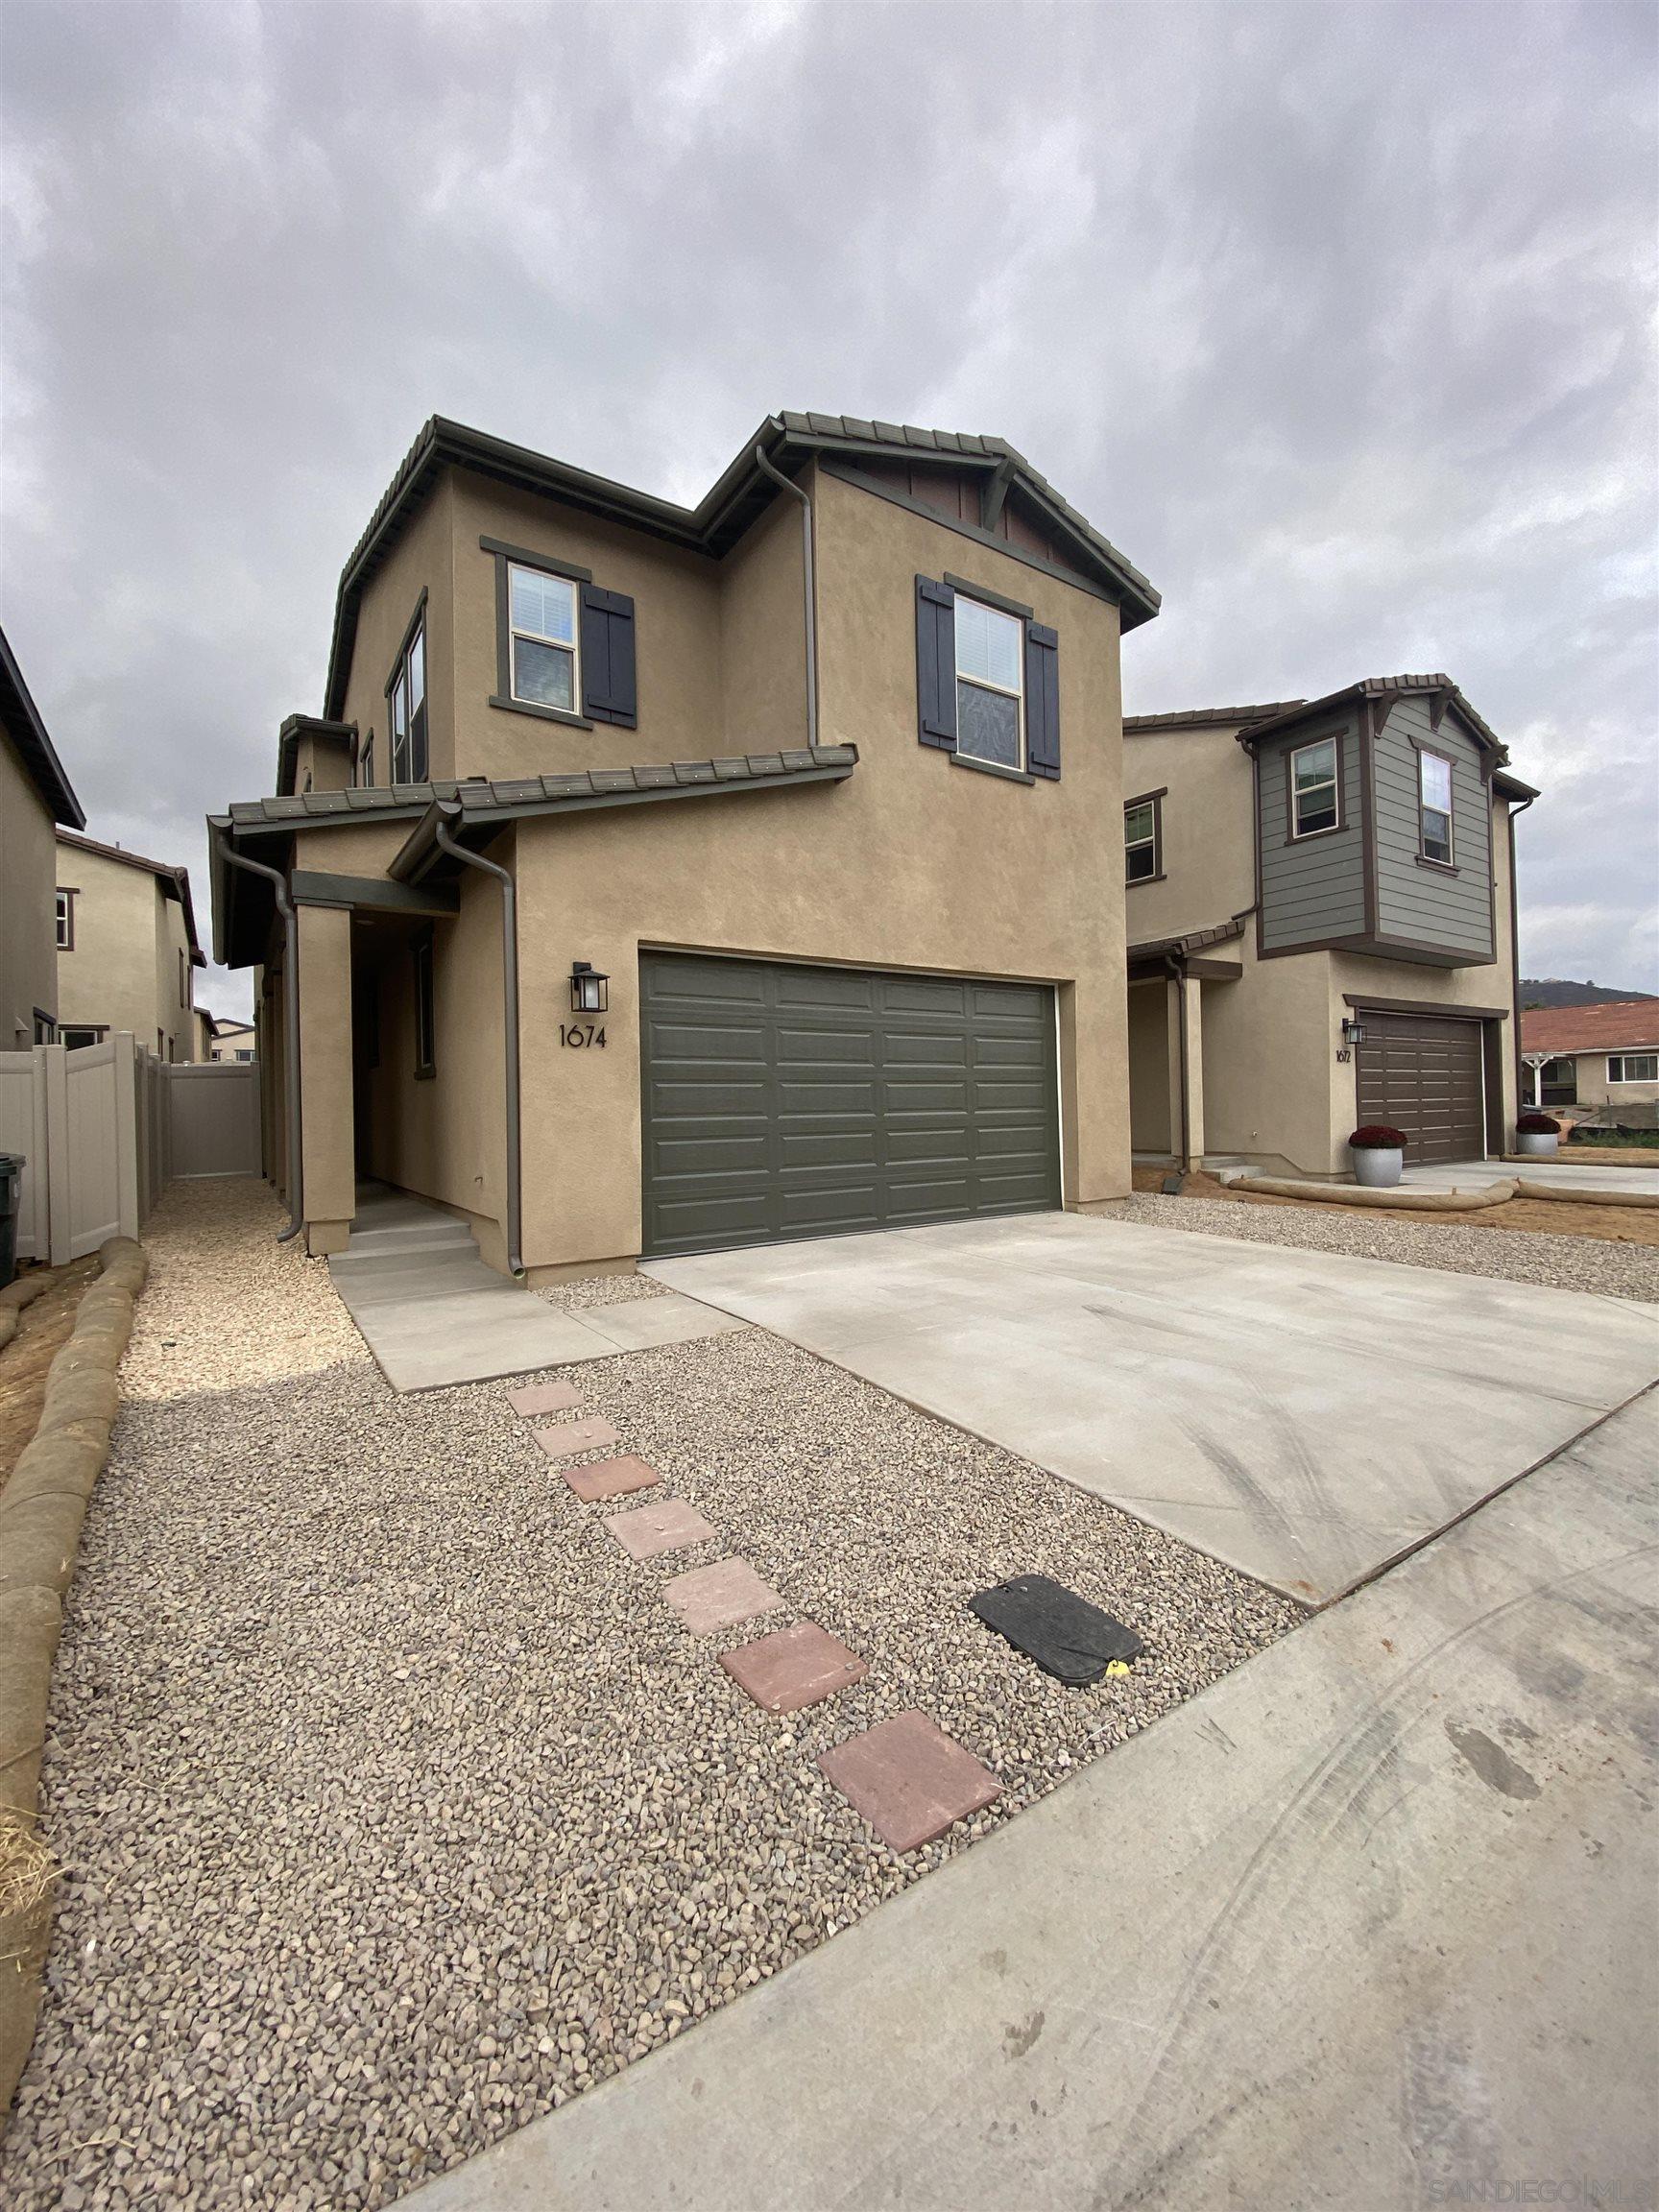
x=737, y=500
x=21, y=719
x=1622, y=1025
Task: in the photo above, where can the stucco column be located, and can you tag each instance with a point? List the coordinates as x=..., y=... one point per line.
x=328, y=1162
x=1184, y=1021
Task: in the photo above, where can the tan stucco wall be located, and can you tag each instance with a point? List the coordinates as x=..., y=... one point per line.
x=1208, y=856
x=914, y=862
x=321, y=764
x=418, y=561
x=28, y=942
x=1149, y=1066
x=123, y=972
x=1594, y=1088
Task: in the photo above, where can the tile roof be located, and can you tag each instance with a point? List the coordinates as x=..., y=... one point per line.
x=1194, y=941
x=1624, y=1026
x=735, y=501
x=1192, y=717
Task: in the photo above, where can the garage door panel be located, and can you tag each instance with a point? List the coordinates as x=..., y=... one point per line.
x=785, y=1101
x=1424, y=1076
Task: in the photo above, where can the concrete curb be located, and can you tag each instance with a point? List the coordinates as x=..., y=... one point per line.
x=42, y=1510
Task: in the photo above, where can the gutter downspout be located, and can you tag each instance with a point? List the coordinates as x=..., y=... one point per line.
x=1178, y=970
x=1515, y=813
x=510, y=1021
x=788, y=484
x=228, y=854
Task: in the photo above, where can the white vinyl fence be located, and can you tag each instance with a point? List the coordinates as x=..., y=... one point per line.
x=104, y=1129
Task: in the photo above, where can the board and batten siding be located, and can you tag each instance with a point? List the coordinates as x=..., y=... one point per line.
x=1312, y=888
x=1425, y=904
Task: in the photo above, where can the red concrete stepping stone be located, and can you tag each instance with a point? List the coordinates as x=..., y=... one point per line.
x=793, y=1666
x=544, y=1398
x=718, y=1596
x=650, y=1530
x=909, y=1780
x=565, y=1437
x=610, y=1478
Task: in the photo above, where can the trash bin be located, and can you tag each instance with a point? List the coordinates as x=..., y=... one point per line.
x=11, y=1166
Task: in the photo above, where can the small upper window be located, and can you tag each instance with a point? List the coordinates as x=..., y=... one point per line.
x=1434, y=806
x=45, y=1028
x=65, y=921
x=989, y=695
x=1141, y=840
x=1633, y=1067
x=1314, y=788
x=407, y=694
x=543, y=623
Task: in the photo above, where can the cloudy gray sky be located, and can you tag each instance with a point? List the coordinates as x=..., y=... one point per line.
x=1337, y=319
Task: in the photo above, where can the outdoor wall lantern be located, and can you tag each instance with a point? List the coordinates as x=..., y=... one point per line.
x=589, y=993
x=1353, y=1032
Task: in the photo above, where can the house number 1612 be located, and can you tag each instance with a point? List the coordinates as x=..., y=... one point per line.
x=579, y=1035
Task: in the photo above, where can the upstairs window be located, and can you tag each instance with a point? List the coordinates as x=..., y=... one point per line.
x=990, y=694
x=406, y=707
x=1142, y=839
x=1633, y=1068
x=65, y=921
x=1314, y=803
x=1434, y=807
x=543, y=638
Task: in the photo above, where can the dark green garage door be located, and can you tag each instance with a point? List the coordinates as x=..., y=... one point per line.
x=785, y=1101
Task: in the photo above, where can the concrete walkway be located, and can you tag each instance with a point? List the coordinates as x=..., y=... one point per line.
x=1371, y=1923
x=1480, y=1175
x=1305, y=1416
x=434, y=1315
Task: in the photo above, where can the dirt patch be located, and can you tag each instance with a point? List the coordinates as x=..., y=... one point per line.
x=42, y=1331
x=1549, y=1216
x=1610, y=1154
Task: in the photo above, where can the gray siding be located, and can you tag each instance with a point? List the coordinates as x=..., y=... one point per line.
x=1431, y=905
x=1316, y=888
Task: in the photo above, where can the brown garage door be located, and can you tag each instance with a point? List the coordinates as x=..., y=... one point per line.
x=1424, y=1076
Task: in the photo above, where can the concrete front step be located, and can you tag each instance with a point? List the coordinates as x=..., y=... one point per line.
x=429, y=1235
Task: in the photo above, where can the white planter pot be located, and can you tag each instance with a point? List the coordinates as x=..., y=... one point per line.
x=1540, y=1147
x=1374, y=1169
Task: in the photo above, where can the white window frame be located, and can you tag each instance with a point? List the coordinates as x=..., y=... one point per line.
x=1618, y=1059
x=986, y=684
x=1155, y=840
x=1331, y=782
x=86, y=1034
x=571, y=644
x=64, y=920
x=1426, y=754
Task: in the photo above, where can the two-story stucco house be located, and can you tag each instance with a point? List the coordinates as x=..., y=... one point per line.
x=657, y=878
x=35, y=797
x=1321, y=919
x=127, y=949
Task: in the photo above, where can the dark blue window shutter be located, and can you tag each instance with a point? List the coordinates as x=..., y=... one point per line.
x=609, y=689
x=1043, y=700
x=936, y=664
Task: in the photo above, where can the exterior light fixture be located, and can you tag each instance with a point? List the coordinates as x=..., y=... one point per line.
x=588, y=993
x=1353, y=1032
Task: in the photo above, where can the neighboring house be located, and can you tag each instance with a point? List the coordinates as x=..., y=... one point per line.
x=1302, y=871
x=1592, y=1056
x=34, y=798
x=127, y=949
x=799, y=796
x=234, y=1040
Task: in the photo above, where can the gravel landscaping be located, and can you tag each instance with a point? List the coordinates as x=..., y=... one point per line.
x=1609, y=1270
x=397, y=1805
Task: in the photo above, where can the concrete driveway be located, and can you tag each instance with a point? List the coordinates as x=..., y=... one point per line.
x=1369, y=1923
x=1305, y=1416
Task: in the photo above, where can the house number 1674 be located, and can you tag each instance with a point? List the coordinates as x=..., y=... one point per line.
x=579, y=1035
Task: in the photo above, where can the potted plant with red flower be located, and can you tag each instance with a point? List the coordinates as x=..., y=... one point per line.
x=1379, y=1155
x=1537, y=1134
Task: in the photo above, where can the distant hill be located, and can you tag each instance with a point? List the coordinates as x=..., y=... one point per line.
x=1551, y=991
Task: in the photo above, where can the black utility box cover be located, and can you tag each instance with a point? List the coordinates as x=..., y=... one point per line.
x=1066, y=1635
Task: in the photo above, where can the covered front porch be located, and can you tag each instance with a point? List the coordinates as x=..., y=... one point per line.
x=1168, y=981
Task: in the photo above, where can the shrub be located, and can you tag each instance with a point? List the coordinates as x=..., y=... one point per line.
x=1537, y=1126
x=1378, y=1137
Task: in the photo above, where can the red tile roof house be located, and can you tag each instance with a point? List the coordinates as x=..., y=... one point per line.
x=1601, y=1059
